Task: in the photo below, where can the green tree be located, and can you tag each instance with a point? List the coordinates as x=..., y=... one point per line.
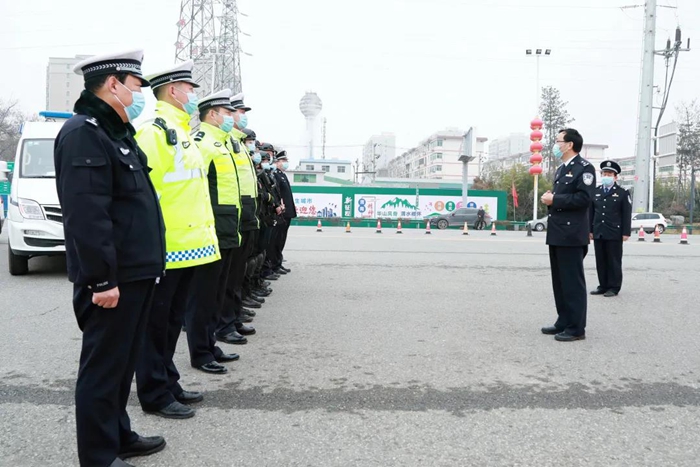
x=503, y=180
x=555, y=117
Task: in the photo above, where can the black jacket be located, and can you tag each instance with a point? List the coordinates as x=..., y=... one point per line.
x=611, y=213
x=113, y=225
x=287, y=196
x=568, y=223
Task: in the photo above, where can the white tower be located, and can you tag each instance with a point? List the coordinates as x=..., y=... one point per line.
x=310, y=105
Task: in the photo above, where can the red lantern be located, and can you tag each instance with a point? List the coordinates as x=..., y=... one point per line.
x=536, y=124
x=536, y=135
x=536, y=158
x=536, y=170
x=536, y=146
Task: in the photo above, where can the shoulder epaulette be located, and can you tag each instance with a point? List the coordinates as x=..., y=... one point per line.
x=92, y=121
x=199, y=136
x=584, y=162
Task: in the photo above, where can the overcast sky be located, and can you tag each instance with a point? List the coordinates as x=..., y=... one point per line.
x=411, y=67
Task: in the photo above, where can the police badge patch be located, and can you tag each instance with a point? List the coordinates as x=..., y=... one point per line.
x=185, y=144
x=588, y=179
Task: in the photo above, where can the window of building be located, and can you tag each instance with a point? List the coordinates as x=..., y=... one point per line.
x=341, y=169
x=68, y=84
x=305, y=178
x=438, y=142
x=309, y=167
x=326, y=168
x=666, y=168
x=67, y=67
x=438, y=168
x=67, y=93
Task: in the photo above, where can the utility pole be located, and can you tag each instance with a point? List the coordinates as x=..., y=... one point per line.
x=646, y=96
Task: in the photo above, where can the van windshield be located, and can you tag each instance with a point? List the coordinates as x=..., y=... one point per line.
x=36, y=159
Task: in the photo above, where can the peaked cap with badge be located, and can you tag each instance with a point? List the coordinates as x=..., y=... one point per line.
x=611, y=166
x=180, y=72
x=218, y=99
x=237, y=102
x=128, y=61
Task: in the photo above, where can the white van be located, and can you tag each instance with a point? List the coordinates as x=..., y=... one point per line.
x=34, y=222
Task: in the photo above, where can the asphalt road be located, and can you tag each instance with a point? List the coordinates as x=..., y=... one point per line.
x=398, y=350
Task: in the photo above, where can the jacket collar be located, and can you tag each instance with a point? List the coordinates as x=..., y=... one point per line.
x=216, y=132
x=238, y=134
x=172, y=114
x=108, y=118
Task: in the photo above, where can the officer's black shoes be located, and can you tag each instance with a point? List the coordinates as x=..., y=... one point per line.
x=598, y=291
x=566, y=337
x=272, y=277
x=189, y=397
x=214, y=368
x=246, y=319
x=610, y=293
x=232, y=338
x=550, y=330
x=255, y=298
x=245, y=330
x=280, y=271
x=247, y=312
x=262, y=292
x=251, y=303
x=227, y=357
x=176, y=410
x=265, y=284
x=120, y=463
x=286, y=270
x=144, y=446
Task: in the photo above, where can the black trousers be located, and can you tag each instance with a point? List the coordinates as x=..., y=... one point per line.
x=111, y=345
x=280, y=242
x=255, y=256
x=156, y=375
x=608, y=262
x=232, y=311
x=569, y=284
x=204, y=310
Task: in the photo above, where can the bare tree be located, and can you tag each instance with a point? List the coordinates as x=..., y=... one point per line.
x=688, y=150
x=10, y=120
x=555, y=117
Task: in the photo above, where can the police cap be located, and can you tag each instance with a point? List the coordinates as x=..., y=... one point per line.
x=249, y=134
x=180, y=72
x=611, y=166
x=281, y=156
x=218, y=99
x=267, y=147
x=237, y=102
x=128, y=61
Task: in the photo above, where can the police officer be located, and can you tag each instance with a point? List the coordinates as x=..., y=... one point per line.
x=611, y=224
x=103, y=186
x=231, y=327
x=289, y=210
x=271, y=214
x=568, y=235
x=179, y=176
x=216, y=115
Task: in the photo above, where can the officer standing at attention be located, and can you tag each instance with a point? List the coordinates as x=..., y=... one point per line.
x=231, y=328
x=103, y=185
x=611, y=224
x=289, y=210
x=179, y=176
x=216, y=115
x=568, y=235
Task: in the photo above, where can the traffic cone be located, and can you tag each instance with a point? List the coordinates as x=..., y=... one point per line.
x=493, y=229
x=318, y=226
x=379, y=226
x=347, y=228
x=466, y=229
x=657, y=235
x=641, y=235
x=427, y=227
x=684, y=236
x=398, y=227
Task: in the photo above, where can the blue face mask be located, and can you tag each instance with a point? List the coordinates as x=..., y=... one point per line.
x=192, y=102
x=138, y=102
x=251, y=147
x=607, y=181
x=256, y=158
x=556, y=151
x=227, y=124
x=285, y=165
x=242, y=121
x=266, y=165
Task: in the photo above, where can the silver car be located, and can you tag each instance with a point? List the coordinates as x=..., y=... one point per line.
x=538, y=225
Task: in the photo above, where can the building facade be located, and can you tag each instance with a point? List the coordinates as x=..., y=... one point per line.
x=378, y=151
x=437, y=157
x=63, y=87
x=515, y=143
x=331, y=168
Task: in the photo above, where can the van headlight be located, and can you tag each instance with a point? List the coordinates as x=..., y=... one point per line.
x=30, y=209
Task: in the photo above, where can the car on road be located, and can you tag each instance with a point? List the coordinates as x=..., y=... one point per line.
x=538, y=225
x=459, y=217
x=649, y=221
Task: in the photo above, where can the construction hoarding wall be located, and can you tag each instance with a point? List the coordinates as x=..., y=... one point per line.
x=391, y=203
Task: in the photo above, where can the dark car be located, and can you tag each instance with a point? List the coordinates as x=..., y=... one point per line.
x=459, y=217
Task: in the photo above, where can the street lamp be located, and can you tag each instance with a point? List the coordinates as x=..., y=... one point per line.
x=537, y=54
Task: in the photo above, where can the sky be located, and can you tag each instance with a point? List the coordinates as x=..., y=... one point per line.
x=411, y=67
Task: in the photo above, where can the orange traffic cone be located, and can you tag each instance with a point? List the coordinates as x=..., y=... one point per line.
x=684, y=236
x=657, y=235
x=493, y=229
x=466, y=229
x=427, y=227
x=318, y=226
x=398, y=227
x=347, y=228
x=379, y=226
x=641, y=235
